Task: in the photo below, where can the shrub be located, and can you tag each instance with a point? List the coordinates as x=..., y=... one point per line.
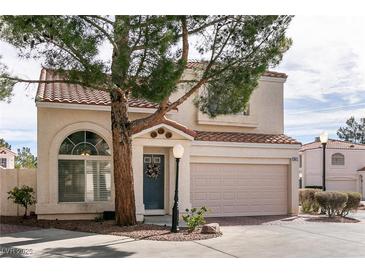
x=194, y=217
x=23, y=196
x=307, y=201
x=331, y=202
x=353, y=202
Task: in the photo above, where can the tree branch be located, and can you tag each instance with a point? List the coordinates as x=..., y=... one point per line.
x=106, y=20
x=71, y=51
x=102, y=30
x=185, y=40
x=238, y=60
x=141, y=47
x=184, y=57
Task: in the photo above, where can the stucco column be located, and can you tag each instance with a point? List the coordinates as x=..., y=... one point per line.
x=137, y=159
x=293, y=198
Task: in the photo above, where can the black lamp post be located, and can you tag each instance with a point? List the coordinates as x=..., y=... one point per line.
x=324, y=139
x=178, y=152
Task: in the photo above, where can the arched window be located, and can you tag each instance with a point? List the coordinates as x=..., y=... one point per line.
x=338, y=159
x=84, y=168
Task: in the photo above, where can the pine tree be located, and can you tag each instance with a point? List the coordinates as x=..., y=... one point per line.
x=149, y=56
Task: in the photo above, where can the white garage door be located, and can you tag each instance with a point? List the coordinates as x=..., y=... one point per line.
x=240, y=190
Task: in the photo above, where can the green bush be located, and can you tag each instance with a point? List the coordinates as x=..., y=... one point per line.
x=307, y=201
x=23, y=196
x=194, y=217
x=331, y=202
x=353, y=202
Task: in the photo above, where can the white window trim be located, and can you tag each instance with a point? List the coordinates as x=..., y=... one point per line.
x=54, y=153
x=84, y=158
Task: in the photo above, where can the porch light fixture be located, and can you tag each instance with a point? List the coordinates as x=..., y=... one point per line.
x=178, y=152
x=324, y=139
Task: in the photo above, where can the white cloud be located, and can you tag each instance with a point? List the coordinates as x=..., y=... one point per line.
x=18, y=135
x=314, y=122
x=327, y=56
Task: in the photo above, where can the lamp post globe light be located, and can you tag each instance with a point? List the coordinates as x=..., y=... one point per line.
x=178, y=152
x=324, y=139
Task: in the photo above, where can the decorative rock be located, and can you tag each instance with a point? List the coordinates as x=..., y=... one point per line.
x=212, y=228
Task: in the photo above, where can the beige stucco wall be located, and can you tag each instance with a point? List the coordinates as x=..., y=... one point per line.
x=55, y=124
x=266, y=111
x=341, y=178
x=10, y=178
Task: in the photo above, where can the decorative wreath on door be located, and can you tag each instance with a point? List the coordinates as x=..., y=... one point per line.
x=153, y=170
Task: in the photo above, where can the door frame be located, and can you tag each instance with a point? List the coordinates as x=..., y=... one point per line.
x=165, y=209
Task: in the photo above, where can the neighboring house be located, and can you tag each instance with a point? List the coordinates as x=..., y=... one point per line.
x=235, y=164
x=7, y=158
x=345, y=165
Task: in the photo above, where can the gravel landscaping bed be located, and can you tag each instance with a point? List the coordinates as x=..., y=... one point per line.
x=9, y=228
x=140, y=231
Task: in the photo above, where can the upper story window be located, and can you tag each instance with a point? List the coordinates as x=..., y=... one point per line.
x=84, y=168
x=3, y=162
x=338, y=159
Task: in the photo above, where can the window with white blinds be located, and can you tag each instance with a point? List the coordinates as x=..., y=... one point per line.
x=98, y=181
x=84, y=175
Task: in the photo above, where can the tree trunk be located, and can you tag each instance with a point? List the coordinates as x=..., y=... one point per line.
x=125, y=209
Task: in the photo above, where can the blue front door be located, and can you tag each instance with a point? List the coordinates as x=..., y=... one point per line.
x=153, y=181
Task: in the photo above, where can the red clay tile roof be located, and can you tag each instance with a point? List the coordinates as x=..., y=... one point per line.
x=337, y=144
x=240, y=137
x=361, y=169
x=179, y=126
x=244, y=137
x=77, y=94
x=200, y=64
x=4, y=150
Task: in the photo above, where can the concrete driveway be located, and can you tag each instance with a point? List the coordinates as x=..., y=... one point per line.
x=274, y=240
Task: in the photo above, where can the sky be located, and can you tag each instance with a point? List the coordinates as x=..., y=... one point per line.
x=325, y=85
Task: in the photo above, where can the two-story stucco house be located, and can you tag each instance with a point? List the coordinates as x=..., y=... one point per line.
x=236, y=165
x=7, y=158
x=345, y=165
